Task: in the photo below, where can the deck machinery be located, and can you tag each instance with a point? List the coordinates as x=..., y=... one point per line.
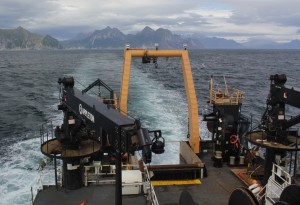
x=97, y=133
x=276, y=133
x=94, y=131
x=280, y=139
x=226, y=122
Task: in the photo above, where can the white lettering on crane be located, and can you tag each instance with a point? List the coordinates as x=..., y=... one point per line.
x=86, y=113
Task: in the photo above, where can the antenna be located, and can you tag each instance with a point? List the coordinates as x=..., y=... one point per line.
x=226, y=88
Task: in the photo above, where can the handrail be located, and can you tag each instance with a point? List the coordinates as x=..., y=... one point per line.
x=88, y=176
x=272, y=193
x=277, y=171
x=226, y=96
x=150, y=190
x=42, y=178
x=259, y=195
x=152, y=194
x=274, y=188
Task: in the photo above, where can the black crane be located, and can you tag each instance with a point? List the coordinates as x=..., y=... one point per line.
x=92, y=127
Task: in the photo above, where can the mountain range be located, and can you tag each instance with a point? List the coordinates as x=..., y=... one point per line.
x=267, y=44
x=113, y=38
x=147, y=38
x=22, y=39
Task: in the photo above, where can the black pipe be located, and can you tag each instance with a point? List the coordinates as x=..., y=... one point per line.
x=270, y=158
x=295, y=163
x=118, y=194
x=55, y=172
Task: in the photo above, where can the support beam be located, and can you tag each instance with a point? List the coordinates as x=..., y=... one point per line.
x=188, y=82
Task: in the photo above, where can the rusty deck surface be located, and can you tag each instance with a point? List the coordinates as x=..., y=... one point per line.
x=260, y=138
x=54, y=146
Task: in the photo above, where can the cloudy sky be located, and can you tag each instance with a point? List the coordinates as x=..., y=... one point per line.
x=241, y=20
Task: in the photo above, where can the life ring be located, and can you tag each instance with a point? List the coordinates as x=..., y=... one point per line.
x=233, y=139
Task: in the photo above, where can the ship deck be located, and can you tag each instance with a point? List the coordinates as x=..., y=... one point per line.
x=103, y=194
x=214, y=189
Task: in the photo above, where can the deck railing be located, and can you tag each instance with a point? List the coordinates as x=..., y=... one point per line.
x=99, y=174
x=276, y=183
x=227, y=96
x=46, y=131
x=94, y=174
x=150, y=189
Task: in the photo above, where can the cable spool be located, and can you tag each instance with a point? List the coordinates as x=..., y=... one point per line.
x=186, y=198
x=242, y=196
x=291, y=194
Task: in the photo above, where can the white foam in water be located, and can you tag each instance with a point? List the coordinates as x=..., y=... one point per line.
x=149, y=100
x=19, y=167
x=159, y=108
x=18, y=171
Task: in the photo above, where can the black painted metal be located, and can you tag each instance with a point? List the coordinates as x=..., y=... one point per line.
x=291, y=195
x=223, y=122
x=73, y=178
x=269, y=160
x=186, y=198
x=88, y=121
x=55, y=172
x=242, y=196
x=99, y=83
x=274, y=120
x=118, y=192
x=274, y=125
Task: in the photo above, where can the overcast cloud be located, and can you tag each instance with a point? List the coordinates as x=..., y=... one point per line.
x=233, y=19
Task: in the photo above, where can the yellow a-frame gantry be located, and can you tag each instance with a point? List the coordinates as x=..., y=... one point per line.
x=129, y=53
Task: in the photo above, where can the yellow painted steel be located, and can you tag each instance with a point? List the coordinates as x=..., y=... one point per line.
x=175, y=182
x=125, y=82
x=194, y=139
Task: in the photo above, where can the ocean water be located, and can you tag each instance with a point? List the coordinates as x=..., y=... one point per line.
x=29, y=97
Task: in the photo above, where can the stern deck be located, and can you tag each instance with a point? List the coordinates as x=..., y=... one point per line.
x=214, y=189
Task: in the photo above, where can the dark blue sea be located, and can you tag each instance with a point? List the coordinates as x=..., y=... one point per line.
x=29, y=97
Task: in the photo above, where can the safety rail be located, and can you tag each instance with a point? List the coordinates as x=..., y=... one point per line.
x=150, y=189
x=276, y=183
x=46, y=132
x=48, y=140
x=105, y=174
x=273, y=191
x=46, y=179
x=261, y=194
x=98, y=173
x=230, y=96
x=93, y=173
